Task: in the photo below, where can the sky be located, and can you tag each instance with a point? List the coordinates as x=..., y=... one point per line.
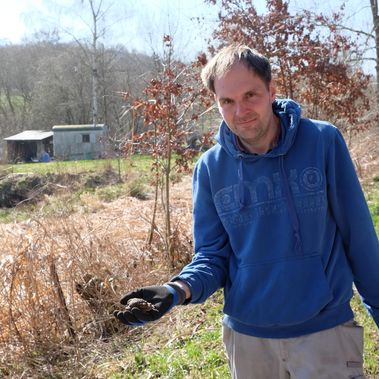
x=140, y=24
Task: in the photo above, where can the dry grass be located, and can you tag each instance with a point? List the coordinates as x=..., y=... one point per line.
x=62, y=278
x=364, y=149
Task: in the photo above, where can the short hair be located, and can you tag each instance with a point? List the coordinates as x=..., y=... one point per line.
x=222, y=62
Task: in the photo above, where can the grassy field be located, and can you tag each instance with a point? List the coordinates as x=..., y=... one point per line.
x=186, y=344
x=138, y=162
x=130, y=176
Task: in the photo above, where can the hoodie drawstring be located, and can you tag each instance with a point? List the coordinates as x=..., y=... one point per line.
x=241, y=187
x=291, y=207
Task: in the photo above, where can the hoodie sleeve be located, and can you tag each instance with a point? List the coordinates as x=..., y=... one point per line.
x=355, y=224
x=208, y=270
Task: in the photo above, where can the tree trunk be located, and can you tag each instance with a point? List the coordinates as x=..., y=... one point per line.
x=94, y=64
x=156, y=189
x=167, y=196
x=375, y=19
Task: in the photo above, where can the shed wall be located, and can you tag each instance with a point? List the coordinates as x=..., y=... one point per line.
x=73, y=145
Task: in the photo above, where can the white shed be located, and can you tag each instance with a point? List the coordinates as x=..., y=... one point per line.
x=77, y=142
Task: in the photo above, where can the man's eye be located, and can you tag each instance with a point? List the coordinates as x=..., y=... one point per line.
x=226, y=101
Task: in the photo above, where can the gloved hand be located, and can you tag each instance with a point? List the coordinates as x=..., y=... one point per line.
x=162, y=298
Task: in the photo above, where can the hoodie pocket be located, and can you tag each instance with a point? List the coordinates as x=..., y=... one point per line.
x=278, y=293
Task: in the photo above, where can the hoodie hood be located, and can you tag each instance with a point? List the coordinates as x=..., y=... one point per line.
x=289, y=113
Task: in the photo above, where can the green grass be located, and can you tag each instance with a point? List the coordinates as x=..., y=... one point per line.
x=191, y=348
x=373, y=201
x=135, y=172
x=371, y=331
x=197, y=356
x=8, y=215
x=139, y=163
x=371, y=338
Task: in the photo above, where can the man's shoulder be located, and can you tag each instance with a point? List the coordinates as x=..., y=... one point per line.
x=212, y=153
x=319, y=124
x=312, y=126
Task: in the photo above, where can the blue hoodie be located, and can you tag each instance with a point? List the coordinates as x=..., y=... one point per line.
x=285, y=233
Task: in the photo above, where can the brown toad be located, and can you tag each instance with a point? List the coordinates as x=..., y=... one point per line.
x=140, y=304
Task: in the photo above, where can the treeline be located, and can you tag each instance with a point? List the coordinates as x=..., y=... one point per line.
x=48, y=83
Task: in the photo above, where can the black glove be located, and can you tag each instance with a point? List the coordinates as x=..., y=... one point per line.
x=161, y=299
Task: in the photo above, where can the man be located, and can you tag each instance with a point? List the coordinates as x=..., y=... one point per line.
x=281, y=223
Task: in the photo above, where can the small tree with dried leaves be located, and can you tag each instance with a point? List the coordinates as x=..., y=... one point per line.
x=172, y=104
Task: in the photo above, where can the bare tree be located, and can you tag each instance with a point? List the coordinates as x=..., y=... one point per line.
x=97, y=15
x=375, y=20
x=368, y=37
x=16, y=87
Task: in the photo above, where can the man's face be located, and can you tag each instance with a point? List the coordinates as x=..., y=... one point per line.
x=245, y=103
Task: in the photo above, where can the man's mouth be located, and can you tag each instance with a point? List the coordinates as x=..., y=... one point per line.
x=246, y=122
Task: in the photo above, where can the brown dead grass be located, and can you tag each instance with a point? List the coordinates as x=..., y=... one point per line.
x=364, y=150
x=43, y=317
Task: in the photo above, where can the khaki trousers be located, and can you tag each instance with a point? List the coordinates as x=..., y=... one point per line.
x=335, y=353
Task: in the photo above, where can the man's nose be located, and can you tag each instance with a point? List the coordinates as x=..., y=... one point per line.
x=240, y=109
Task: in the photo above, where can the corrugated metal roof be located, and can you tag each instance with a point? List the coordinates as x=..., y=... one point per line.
x=30, y=135
x=78, y=127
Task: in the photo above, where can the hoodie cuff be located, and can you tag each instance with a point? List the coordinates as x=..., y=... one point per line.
x=180, y=292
